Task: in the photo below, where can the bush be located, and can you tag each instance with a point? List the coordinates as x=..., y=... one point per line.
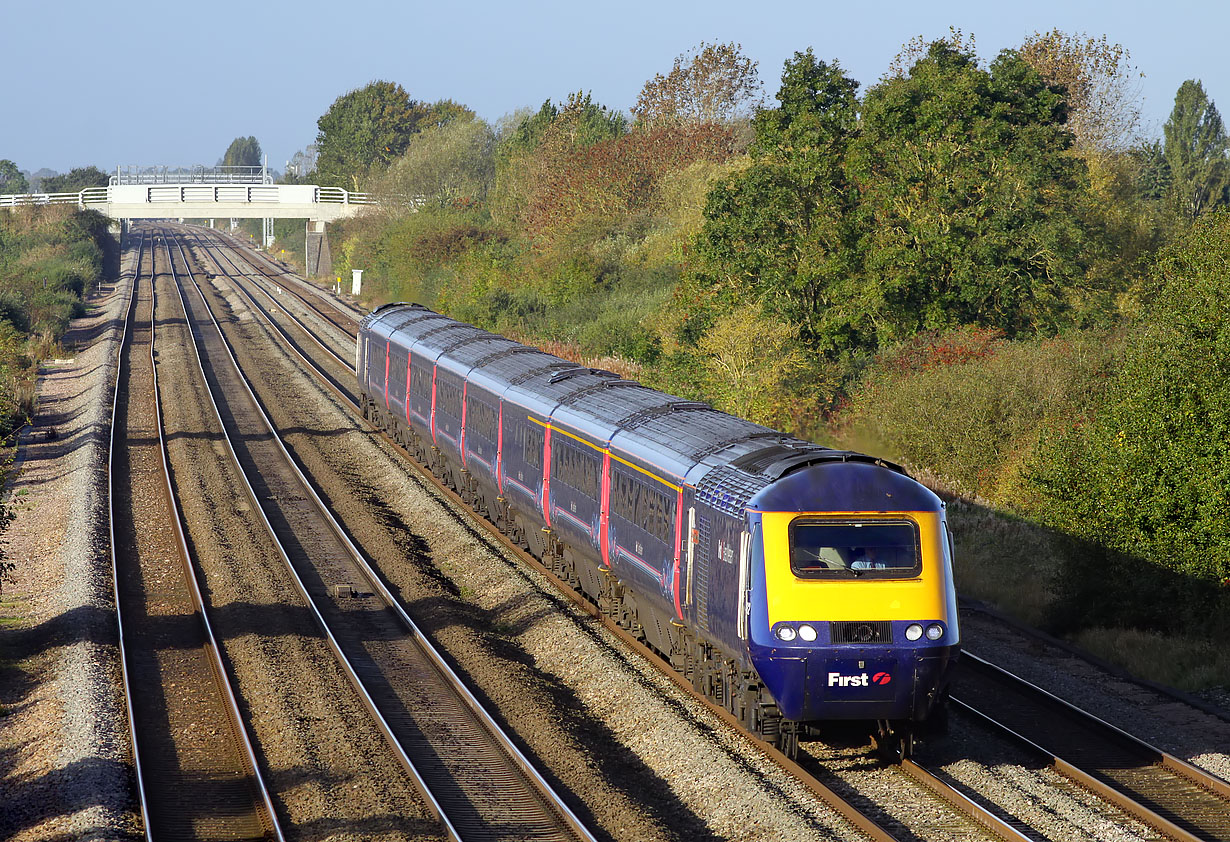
x=970, y=406
x=1147, y=480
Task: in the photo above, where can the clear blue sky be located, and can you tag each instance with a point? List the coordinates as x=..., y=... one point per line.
x=171, y=83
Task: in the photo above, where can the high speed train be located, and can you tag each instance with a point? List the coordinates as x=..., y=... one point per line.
x=794, y=584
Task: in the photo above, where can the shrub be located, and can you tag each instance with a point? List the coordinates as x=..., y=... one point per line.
x=970, y=407
x=1147, y=480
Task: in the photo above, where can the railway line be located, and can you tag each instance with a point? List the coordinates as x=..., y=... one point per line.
x=992, y=822
x=197, y=775
x=1177, y=799
x=480, y=785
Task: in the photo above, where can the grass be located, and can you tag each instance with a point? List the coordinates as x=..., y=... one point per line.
x=1004, y=561
x=1182, y=662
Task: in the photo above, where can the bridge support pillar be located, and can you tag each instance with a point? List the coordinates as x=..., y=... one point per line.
x=318, y=260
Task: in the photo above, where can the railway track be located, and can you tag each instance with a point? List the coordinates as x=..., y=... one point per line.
x=1173, y=797
x=197, y=776
x=480, y=785
x=972, y=816
x=330, y=309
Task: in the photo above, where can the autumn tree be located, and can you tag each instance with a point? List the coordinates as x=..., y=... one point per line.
x=711, y=83
x=365, y=130
x=1196, y=145
x=1099, y=83
x=243, y=152
x=529, y=157
x=11, y=179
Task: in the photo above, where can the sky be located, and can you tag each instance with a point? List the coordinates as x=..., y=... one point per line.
x=169, y=83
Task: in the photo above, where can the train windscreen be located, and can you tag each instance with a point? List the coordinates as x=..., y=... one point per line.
x=850, y=549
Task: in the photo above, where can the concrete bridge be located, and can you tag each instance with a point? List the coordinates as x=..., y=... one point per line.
x=200, y=199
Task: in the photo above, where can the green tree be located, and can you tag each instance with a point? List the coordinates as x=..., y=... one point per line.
x=443, y=166
x=76, y=180
x=243, y=152
x=970, y=208
x=780, y=231
x=11, y=179
x=1196, y=145
x=364, y=131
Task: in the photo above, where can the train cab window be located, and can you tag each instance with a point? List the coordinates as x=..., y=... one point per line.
x=822, y=549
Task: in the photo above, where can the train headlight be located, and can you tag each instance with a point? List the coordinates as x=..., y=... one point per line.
x=786, y=633
x=913, y=632
x=935, y=631
x=807, y=633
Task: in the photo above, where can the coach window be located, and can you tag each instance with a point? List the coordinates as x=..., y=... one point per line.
x=575, y=468
x=420, y=380
x=532, y=441
x=481, y=419
x=643, y=506
x=448, y=399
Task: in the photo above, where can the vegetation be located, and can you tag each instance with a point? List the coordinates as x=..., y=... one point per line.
x=11, y=179
x=243, y=152
x=48, y=257
x=75, y=180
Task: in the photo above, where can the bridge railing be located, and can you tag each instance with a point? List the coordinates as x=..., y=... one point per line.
x=336, y=195
x=188, y=193
x=13, y=200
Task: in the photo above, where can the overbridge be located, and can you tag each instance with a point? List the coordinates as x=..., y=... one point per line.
x=215, y=193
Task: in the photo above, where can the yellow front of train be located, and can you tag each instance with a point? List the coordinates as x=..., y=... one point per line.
x=852, y=610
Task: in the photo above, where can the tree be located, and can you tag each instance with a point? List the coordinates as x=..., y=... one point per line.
x=1196, y=145
x=11, y=179
x=442, y=112
x=711, y=83
x=301, y=165
x=530, y=157
x=243, y=152
x=970, y=207
x=1099, y=83
x=76, y=180
x=365, y=130
x=444, y=165
x=780, y=231
x=1148, y=475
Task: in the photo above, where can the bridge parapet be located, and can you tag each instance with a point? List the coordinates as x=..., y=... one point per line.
x=197, y=200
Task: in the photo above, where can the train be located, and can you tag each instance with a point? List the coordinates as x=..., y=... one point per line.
x=795, y=585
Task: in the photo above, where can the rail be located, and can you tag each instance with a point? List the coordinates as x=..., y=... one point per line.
x=490, y=802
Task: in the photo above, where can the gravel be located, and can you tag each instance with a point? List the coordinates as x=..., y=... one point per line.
x=64, y=747
x=640, y=758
